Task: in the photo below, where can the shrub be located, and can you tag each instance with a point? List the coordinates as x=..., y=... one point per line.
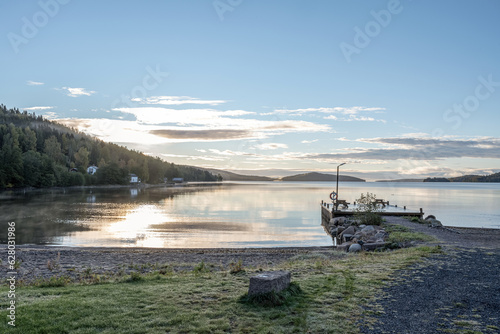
x=367, y=212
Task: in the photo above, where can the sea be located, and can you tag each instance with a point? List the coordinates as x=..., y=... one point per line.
x=227, y=214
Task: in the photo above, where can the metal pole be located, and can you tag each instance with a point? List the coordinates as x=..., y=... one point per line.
x=337, y=188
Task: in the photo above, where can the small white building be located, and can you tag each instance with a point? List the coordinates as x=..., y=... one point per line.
x=134, y=178
x=92, y=170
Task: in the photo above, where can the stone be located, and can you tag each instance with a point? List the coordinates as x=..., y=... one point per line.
x=362, y=226
x=269, y=281
x=354, y=248
x=430, y=217
x=333, y=232
x=347, y=237
x=434, y=223
x=368, y=229
x=340, y=229
x=349, y=230
x=381, y=235
x=339, y=220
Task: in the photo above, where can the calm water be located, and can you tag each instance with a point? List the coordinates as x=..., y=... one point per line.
x=228, y=215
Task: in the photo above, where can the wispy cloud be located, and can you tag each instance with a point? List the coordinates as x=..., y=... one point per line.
x=38, y=108
x=34, y=83
x=331, y=110
x=309, y=141
x=76, y=92
x=176, y=100
x=352, y=118
x=270, y=146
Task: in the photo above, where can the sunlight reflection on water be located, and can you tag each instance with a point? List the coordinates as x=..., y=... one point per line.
x=228, y=215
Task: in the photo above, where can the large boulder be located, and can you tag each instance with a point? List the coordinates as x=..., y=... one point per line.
x=269, y=281
x=354, y=248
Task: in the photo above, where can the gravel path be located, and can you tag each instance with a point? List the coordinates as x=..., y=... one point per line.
x=454, y=292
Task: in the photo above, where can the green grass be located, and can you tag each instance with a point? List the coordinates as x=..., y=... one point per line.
x=327, y=297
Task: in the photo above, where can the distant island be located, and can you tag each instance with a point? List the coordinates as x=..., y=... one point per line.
x=320, y=177
x=466, y=178
x=402, y=180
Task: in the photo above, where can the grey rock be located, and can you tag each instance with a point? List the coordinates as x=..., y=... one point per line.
x=354, y=248
x=347, y=237
x=269, y=281
x=339, y=220
x=349, y=230
x=368, y=230
x=434, y=223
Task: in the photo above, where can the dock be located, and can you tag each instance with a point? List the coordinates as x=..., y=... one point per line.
x=328, y=211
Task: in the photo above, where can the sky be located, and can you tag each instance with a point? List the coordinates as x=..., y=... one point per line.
x=394, y=89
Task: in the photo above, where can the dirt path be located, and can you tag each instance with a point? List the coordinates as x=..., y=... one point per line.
x=454, y=292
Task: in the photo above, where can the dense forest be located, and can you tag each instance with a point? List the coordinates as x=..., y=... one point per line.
x=35, y=152
x=467, y=178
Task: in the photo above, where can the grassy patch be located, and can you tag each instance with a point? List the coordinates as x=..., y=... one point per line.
x=330, y=299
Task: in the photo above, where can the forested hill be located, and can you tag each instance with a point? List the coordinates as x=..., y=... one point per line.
x=35, y=152
x=467, y=178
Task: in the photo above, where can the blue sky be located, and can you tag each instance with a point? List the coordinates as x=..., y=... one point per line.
x=397, y=89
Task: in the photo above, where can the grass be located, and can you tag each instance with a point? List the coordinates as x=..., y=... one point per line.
x=327, y=296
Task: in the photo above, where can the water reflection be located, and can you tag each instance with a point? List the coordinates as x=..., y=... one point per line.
x=231, y=215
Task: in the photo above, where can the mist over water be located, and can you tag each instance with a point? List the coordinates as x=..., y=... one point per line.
x=246, y=214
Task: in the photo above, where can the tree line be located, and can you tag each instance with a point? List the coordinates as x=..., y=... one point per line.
x=35, y=152
x=466, y=178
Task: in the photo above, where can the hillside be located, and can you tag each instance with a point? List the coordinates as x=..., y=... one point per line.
x=229, y=176
x=467, y=178
x=320, y=177
x=402, y=180
x=40, y=153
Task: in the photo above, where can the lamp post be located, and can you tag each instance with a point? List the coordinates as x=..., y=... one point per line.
x=337, y=189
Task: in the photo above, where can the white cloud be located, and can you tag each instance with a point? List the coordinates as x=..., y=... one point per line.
x=50, y=115
x=176, y=100
x=75, y=92
x=38, y=108
x=332, y=110
x=309, y=141
x=158, y=115
x=271, y=146
x=34, y=83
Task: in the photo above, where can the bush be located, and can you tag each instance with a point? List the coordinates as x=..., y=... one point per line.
x=367, y=212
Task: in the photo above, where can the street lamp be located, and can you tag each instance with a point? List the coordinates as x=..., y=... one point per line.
x=337, y=190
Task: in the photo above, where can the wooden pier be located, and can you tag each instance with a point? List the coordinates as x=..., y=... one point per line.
x=328, y=212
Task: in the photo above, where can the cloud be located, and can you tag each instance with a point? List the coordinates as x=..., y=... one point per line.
x=176, y=100
x=352, y=118
x=333, y=110
x=270, y=146
x=212, y=135
x=38, y=108
x=158, y=115
x=50, y=115
x=309, y=141
x=418, y=149
x=34, y=83
x=76, y=92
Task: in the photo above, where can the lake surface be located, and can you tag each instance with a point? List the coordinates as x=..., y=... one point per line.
x=246, y=214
